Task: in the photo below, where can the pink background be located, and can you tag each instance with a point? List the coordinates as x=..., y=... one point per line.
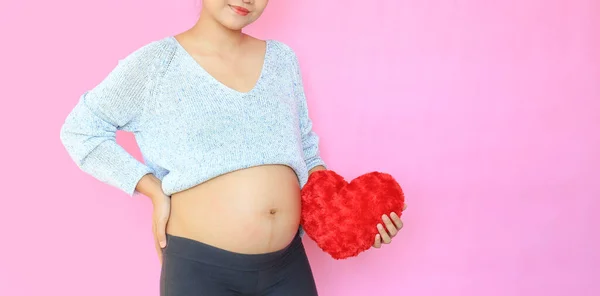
x=487, y=112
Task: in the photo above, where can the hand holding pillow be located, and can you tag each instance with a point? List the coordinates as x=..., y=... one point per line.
x=393, y=224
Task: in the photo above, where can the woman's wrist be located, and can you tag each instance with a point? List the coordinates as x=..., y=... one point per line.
x=151, y=186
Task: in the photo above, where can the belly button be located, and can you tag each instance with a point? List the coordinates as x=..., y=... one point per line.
x=273, y=211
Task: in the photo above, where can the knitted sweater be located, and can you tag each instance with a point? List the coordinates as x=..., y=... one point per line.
x=189, y=126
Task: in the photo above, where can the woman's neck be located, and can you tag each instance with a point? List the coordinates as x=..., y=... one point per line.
x=212, y=36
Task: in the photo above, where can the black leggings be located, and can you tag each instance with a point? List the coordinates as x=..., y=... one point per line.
x=193, y=268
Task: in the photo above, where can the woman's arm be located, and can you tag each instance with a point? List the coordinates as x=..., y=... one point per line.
x=317, y=168
x=89, y=131
x=310, y=139
x=150, y=186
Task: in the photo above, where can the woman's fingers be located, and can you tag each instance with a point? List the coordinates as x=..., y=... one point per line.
x=156, y=244
x=160, y=236
x=391, y=228
x=162, y=211
x=385, y=237
x=393, y=224
x=377, y=243
x=397, y=221
x=161, y=226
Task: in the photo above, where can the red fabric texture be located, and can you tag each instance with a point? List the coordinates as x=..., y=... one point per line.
x=342, y=217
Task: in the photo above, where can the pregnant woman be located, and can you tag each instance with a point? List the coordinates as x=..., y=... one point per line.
x=222, y=123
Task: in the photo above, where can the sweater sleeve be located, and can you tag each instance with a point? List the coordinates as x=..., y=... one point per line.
x=310, y=139
x=116, y=103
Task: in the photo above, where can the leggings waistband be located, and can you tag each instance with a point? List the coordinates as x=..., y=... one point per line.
x=201, y=252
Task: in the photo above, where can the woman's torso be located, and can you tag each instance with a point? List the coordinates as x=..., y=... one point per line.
x=250, y=210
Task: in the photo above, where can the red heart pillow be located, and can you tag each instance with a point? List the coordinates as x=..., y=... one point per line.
x=342, y=217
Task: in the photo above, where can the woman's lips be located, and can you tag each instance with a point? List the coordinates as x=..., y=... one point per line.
x=239, y=10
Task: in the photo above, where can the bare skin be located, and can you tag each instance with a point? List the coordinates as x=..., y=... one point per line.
x=251, y=211
x=255, y=210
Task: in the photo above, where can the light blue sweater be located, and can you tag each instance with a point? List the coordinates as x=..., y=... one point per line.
x=189, y=126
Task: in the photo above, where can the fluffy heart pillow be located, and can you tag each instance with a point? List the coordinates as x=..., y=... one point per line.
x=342, y=217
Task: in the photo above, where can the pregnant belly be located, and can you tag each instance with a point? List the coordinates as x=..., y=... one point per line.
x=250, y=211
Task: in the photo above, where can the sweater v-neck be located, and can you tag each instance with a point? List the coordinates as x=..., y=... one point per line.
x=204, y=72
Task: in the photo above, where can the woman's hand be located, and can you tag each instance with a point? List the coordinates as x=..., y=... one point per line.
x=160, y=217
x=393, y=226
